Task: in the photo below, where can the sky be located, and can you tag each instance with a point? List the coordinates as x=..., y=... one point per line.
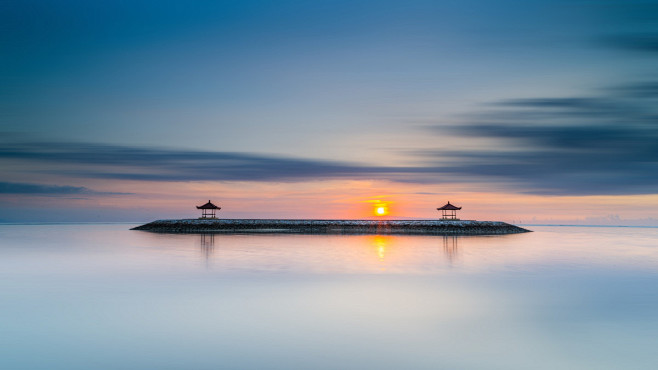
x=530, y=111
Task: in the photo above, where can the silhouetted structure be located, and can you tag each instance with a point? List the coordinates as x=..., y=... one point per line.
x=208, y=210
x=449, y=212
x=274, y=226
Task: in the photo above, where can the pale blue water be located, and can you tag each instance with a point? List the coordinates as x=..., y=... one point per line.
x=104, y=297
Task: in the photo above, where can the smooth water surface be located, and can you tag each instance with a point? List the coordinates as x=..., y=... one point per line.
x=105, y=297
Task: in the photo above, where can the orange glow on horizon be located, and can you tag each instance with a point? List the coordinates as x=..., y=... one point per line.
x=380, y=208
x=340, y=199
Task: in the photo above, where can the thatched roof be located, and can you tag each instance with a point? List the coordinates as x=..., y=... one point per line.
x=208, y=206
x=449, y=207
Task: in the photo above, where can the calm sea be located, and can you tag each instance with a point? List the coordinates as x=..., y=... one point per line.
x=104, y=297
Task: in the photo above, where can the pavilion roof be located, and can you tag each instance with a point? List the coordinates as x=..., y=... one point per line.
x=449, y=207
x=208, y=205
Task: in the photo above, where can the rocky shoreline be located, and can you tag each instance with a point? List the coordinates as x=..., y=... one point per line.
x=257, y=226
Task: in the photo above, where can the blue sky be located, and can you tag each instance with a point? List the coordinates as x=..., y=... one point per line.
x=120, y=99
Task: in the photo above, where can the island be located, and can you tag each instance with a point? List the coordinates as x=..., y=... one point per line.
x=285, y=226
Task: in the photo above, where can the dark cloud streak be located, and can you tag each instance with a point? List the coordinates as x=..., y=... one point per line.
x=606, y=144
x=642, y=42
x=130, y=163
x=600, y=144
x=39, y=189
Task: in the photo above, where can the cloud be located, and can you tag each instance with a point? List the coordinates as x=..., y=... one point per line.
x=638, y=90
x=599, y=144
x=602, y=143
x=156, y=164
x=38, y=189
x=644, y=42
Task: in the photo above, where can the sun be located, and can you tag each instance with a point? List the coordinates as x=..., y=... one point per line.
x=381, y=210
x=379, y=207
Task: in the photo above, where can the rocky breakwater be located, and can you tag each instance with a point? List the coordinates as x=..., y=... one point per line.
x=409, y=227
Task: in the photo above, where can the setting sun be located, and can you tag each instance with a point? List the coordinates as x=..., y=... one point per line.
x=381, y=210
x=379, y=207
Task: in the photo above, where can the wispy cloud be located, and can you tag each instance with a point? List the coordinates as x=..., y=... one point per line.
x=579, y=145
x=602, y=142
x=644, y=42
x=39, y=189
x=157, y=164
x=598, y=144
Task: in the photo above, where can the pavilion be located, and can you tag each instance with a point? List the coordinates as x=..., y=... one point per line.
x=208, y=210
x=449, y=212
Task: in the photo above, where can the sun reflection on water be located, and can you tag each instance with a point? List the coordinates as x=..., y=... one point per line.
x=380, y=242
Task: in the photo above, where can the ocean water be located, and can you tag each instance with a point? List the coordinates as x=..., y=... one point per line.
x=104, y=297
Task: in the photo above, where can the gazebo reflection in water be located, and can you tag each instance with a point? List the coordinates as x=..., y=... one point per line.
x=451, y=247
x=207, y=244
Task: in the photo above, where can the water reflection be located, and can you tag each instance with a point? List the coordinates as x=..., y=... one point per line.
x=381, y=242
x=451, y=247
x=392, y=254
x=354, y=253
x=383, y=247
x=319, y=253
x=207, y=246
x=62, y=285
